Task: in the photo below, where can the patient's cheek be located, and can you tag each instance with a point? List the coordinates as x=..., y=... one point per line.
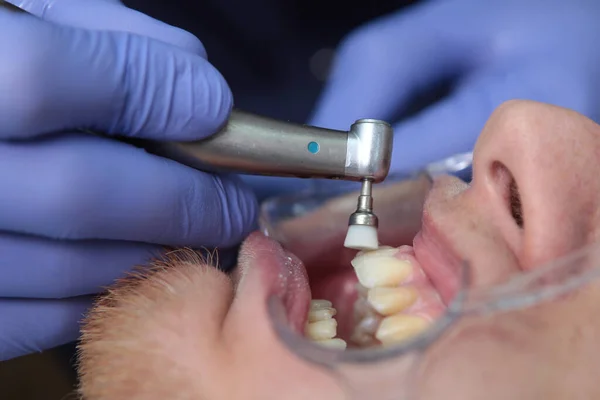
x=154, y=337
x=549, y=351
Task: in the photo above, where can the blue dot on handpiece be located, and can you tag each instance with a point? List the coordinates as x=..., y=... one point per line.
x=313, y=147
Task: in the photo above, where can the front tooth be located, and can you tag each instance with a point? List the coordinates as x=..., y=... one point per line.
x=333, y=343
x=321, y=330
x=317, y=304
x=373, y=269
x=389, y=301
x=400, y=327
x=321, y=314
x=381, y=251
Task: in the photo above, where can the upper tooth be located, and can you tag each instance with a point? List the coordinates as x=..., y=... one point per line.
x=369, y=324
x=389, y=301
x=363, y=339
x=400, y=327
x=319, y=330
x=362, y=308
x=316, y=304
x=361, y=290
x=381, y=269
x=320, y=314
x=332, y=343
x=381, y=251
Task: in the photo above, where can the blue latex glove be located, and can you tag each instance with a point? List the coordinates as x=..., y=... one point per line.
x=494, y=51
x=77, y=211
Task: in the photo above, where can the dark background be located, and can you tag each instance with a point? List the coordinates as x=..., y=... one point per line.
x=273, y=53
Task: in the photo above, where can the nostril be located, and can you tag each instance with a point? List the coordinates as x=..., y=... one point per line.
x=508, y=190
x=515, y=204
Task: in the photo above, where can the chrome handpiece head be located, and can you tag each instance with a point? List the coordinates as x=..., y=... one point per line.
x=369, y=151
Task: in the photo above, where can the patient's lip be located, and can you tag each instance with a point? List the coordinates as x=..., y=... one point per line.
x=282, y=275
x=433, y=250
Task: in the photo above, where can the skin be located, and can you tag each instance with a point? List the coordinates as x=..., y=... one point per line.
x=184, y=330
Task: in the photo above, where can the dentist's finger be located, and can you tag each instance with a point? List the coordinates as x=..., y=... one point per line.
x=110, y=15
x=28, y=326
x=87, y=187
x=457, y=121
x=36, y=267
x=381, y=66
x=56, y=78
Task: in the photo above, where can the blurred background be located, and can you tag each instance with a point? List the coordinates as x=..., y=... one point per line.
x=42, y=376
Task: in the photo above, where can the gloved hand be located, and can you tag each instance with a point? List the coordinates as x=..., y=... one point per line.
x=76, y=210
x=492, y=51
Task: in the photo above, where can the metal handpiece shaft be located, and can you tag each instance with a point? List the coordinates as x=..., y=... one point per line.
x=259, y=145
x=364, y=211
x=365, y=199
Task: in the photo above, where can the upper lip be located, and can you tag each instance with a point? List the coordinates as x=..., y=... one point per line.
x=439, y=260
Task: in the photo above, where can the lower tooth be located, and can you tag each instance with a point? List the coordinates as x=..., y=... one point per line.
x=318, y=304
x=390, y=301
x=321, y=314
x=332, y=343
x=398, y=328
x=321, y=330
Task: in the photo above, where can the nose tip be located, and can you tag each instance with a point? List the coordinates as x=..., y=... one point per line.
x=535, y=169
x=515, y=146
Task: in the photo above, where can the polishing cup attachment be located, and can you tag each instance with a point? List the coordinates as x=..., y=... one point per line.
x=365, y=218
x=361, y=237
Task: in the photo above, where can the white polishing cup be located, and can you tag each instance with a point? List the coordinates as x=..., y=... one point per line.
x=361, y=237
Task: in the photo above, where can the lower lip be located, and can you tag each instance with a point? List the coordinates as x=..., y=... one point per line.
x=284, y=276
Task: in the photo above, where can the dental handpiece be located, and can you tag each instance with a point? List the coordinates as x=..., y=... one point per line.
x=252, y=144
x=256, y=145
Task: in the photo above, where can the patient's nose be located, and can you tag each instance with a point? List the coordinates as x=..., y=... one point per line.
x=537, y=166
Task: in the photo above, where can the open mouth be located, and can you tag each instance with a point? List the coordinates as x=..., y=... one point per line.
x=360, y=300
x=383, y=297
